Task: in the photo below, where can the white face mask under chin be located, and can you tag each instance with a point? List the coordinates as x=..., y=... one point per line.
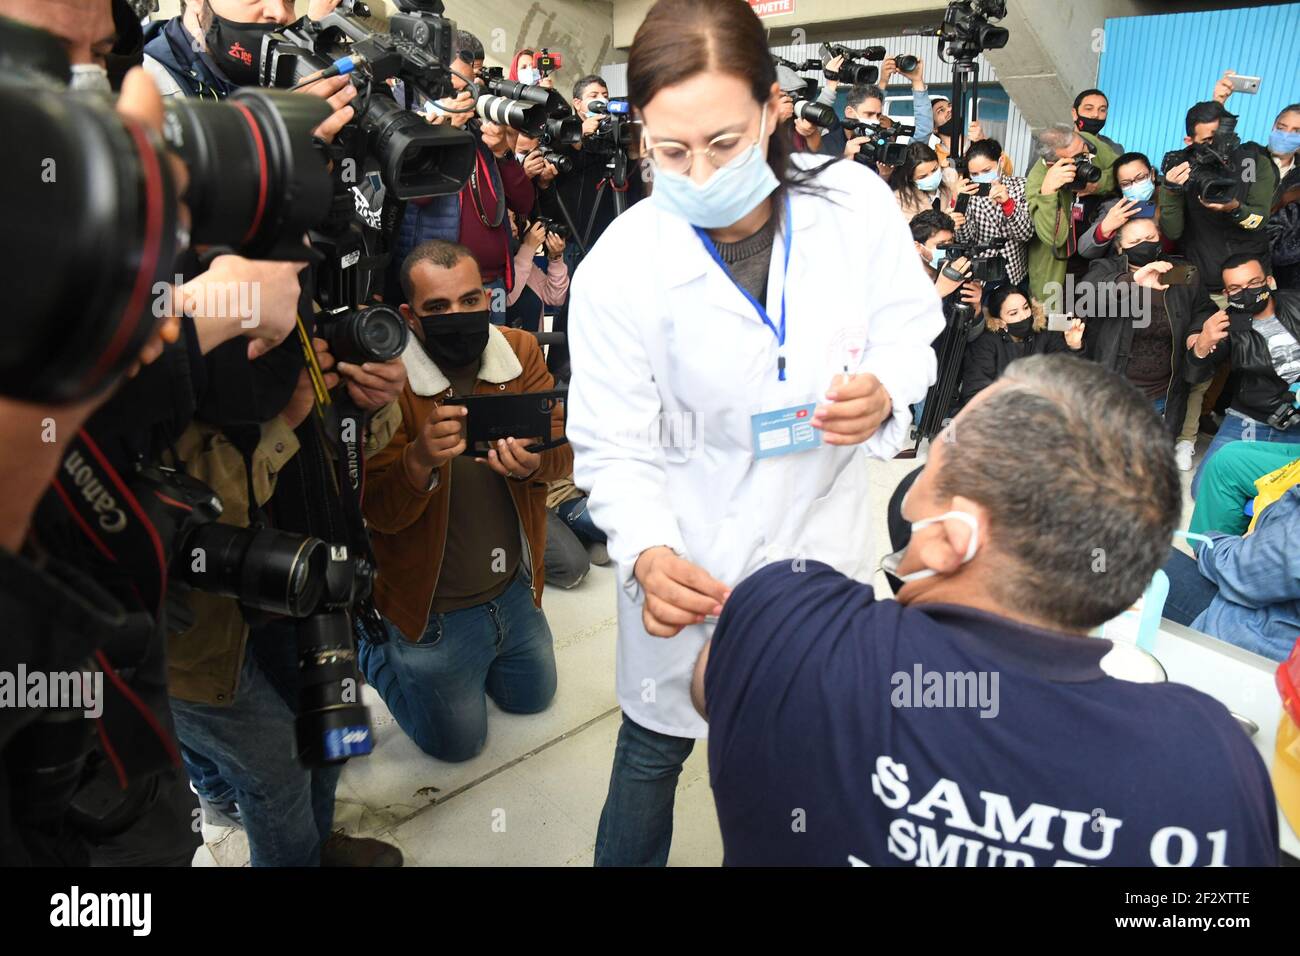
x=889, y=563
x=91, y=77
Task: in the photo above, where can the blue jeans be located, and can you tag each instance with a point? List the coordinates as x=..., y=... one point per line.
x=636, y=825
x=435, y=687
x=1190, y=592
x=249, y=749
x=577, y=516
x=1240, y=429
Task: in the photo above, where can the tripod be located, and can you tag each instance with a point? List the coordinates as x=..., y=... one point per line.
x=964, y=319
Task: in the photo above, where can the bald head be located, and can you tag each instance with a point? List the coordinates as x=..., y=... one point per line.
x=84, y=27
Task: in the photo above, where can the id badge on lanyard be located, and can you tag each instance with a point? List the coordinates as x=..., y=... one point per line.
x=779, y=431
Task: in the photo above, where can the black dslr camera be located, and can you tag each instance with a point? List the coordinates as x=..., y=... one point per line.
x=882, y=146
x=554, y=228
x=282, y=574
x=1086, y=172
x=374, y=333
x=986, y=262
x=1214, y=177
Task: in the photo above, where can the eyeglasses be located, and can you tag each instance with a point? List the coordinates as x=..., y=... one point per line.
x=722, y=150
x=1254, y=286
x=1133, y=182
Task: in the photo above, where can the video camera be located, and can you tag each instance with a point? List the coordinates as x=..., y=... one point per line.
x=857, y=74
x=256, y=184
x=416, y=159
x=966, y=31
x=615, y=133
x=882, y=147
x=1214, y=175
x=532, y=110
x=986, y=262
x=282, y=574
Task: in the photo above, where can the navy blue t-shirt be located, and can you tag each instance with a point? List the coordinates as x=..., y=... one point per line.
x=846, y=730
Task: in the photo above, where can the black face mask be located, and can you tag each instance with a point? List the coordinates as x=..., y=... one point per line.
x=1144, y=253
x=457, y=339
x=947, y=129
x=1022, y=329
x=1250, y=301
x=1090, y=125
x=237, y=47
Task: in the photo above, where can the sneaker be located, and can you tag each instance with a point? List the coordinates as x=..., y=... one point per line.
x=598, y=554
x=343, y=850
x=1183, y=453
x=225, y=814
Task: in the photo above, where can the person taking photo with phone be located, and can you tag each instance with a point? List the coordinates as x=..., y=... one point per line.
x=459, y=540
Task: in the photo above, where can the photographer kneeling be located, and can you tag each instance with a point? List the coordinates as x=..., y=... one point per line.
x=462, y=569
x=813, y=687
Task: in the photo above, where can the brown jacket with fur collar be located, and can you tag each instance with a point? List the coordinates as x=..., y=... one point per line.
x=408, y=525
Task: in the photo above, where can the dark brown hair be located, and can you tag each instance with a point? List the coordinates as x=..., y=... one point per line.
x=681, y=38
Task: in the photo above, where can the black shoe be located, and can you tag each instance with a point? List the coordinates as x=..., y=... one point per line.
x=343, y=850
x=1209, y=424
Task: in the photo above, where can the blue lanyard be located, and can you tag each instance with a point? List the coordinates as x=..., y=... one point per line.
x=762, y=312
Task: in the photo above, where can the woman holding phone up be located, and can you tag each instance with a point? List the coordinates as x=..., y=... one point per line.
x=744, y=343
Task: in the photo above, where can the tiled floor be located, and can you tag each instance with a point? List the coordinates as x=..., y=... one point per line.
x=533, y=797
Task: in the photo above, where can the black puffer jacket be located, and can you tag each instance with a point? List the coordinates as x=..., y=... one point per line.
x=1261, y=390
x=988, y=356
x=1109, y=339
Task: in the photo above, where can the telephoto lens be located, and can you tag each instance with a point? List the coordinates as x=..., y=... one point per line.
x=258, y=182
x=816, y=113
x=262, y=568
x=528, y=118
x=374, y=333
x=93, y=228
x=332, y=723
x=905, y=62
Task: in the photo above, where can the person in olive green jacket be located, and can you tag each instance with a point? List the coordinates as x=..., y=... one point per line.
x=1052, y=205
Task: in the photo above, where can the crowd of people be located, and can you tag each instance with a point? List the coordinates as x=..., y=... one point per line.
x=683, y=277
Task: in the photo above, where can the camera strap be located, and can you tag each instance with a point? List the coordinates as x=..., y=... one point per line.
x=94, y=495
x=344, y=424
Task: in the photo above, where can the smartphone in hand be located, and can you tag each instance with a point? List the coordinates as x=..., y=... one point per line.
x=1059, y=321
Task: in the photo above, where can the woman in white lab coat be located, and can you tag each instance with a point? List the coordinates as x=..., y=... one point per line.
x=743, y=343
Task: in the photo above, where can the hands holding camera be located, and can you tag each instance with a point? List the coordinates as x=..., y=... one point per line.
x=371, y=386
x=1059, y=175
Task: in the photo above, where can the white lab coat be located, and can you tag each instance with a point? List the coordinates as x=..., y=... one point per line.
x=669, y=363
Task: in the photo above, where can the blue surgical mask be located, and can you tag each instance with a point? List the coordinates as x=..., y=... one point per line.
x=930, y=183
x=529, y=76
x=936, y=256
x=889, y=563
x=1282, y=143
x=990, y=177
x=1140, y=192
x=726, y=197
